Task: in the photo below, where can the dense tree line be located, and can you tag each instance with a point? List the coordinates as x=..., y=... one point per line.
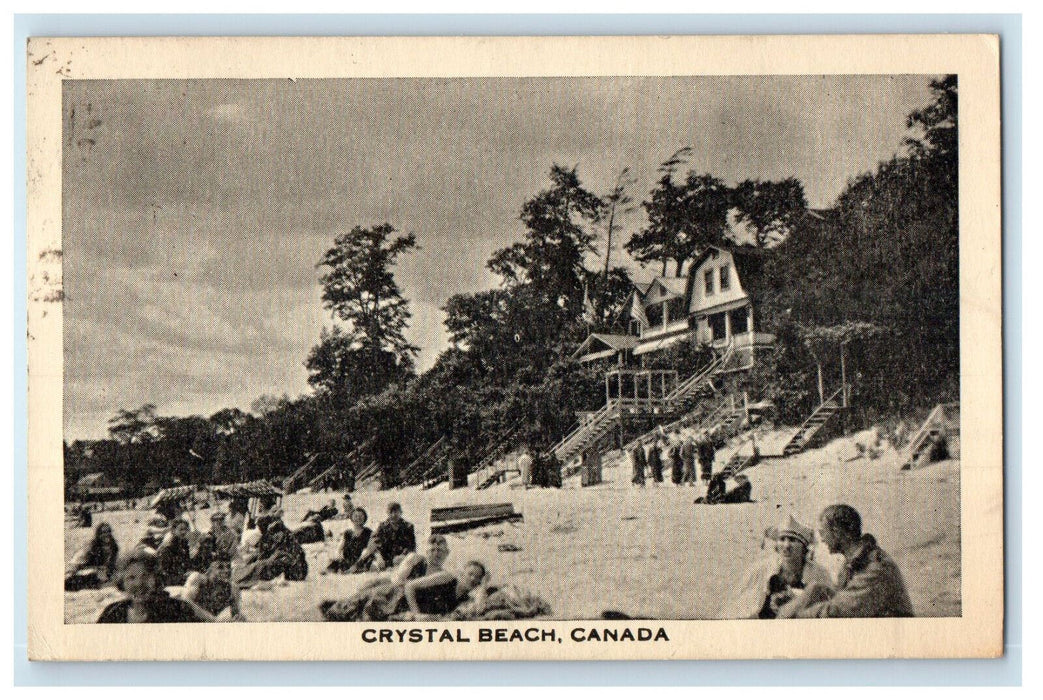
x=875, y=276
x=886, y=255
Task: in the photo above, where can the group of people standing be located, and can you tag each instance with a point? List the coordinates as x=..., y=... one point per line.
x=676, y=454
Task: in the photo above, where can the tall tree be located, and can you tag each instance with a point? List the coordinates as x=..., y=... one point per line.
x=359, y=289
x=770, y=208
x=683, y=218
x=558, y=236
x=617, y=204
x=134, y=426
x=936, y=123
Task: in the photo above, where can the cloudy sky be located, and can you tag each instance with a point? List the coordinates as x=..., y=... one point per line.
x=195, y=211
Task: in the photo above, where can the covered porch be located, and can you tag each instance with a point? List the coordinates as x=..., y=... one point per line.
x=605, y=346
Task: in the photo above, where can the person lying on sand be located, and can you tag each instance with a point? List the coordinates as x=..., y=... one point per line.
x=439, y=594
x=214, y=591
x=773, y=580
x=327, y=512
x=95, y=564
x=384, y=597
x=146, y=600
x=717, y=491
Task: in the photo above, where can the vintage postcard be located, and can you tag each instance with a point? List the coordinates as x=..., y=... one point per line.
x=515, y=348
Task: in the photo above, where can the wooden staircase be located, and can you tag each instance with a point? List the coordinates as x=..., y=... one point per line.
x=306, y=475
x=484, y=477
x=588, y=432
x=295, y=482
x=499, y=449
x=435, y=475
x=421, y=468
x=938, y=427
x=739, y=462
x=688, y=390
x=369, y=471
x=599, y=424
x=348, y=462
x=807, y=432
x=497, y=477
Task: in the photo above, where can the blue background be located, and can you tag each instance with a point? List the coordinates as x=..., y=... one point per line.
x=1004, y=671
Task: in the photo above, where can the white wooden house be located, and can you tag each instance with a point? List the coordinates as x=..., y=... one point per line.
x=710, y=305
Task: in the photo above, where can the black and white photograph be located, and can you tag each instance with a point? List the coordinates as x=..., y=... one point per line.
x=400, y=354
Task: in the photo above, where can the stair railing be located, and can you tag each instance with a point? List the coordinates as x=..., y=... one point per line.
x=803, y=426
x=585, y=428
x=682, y=390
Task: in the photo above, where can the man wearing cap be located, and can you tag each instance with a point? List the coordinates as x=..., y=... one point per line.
x=870, y=584
x=776, y=579
x=219, y=543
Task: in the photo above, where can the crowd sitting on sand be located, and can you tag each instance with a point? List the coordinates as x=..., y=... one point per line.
x=177, y=574
x=653, y=457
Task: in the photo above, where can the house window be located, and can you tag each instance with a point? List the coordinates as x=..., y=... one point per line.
x=718, y=327
x=726, y=278
x=708, y=281
x=740, y=320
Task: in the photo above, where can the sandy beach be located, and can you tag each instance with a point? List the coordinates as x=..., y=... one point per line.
x=647, y=552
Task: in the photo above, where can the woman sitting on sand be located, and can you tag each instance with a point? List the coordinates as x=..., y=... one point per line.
x=146, y=600
x=774, y=580
x=356, y=539
x=175, y=558
x=95, y=564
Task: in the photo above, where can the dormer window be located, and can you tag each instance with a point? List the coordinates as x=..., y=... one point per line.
x=726, y=278
x=708, y=282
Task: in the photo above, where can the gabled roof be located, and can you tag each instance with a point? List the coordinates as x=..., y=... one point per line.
x=642, y=285
x=614, y=342
x=664, y=288
x=749, y=262
x=90, y=479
